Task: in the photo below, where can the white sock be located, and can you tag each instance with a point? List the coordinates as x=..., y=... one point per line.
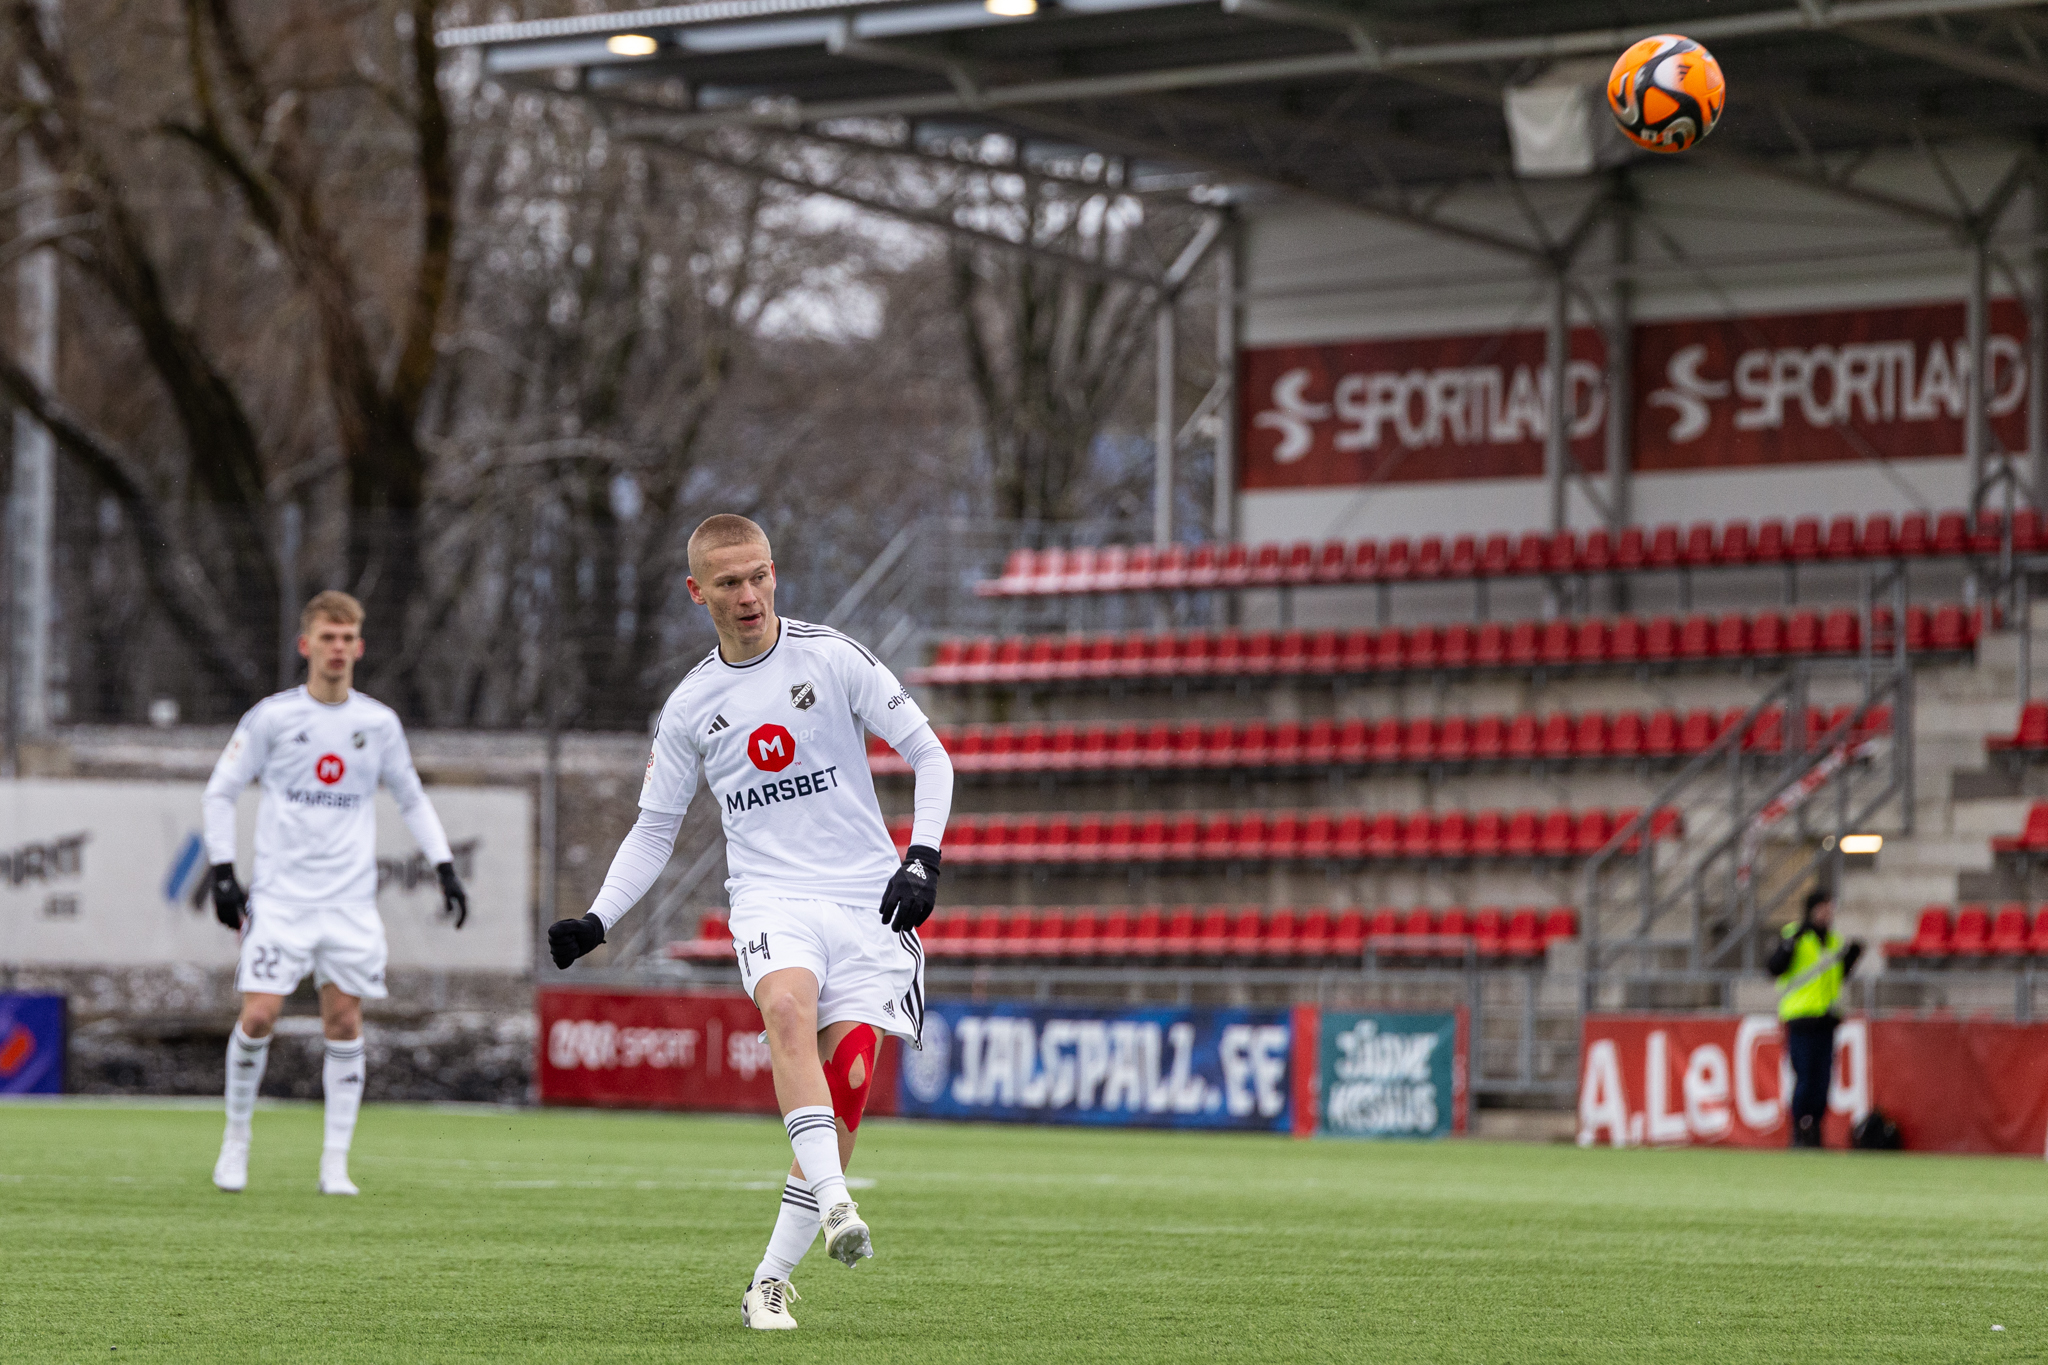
x=341, y=1077
x=814, y=1137
x=796, y=1227
x=246, y=1059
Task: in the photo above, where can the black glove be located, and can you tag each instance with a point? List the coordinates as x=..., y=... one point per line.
x=1851, y=954
x=913, y=891
x=569, y=939
x=454, y=900
x=230, y=901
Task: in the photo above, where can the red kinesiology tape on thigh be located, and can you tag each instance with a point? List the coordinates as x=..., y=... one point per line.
x=848, y=1099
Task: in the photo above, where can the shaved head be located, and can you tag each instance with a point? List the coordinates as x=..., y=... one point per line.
x=717, y=532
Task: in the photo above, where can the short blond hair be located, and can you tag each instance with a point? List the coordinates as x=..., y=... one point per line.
x=722, y=529
x=332, y=605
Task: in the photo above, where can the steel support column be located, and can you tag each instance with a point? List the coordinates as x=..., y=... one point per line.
x=1621, y=427
x=31, y=522
x=1976, y=430
x=1555, y=454
x=1162, y=426
x=1223, y=516
x=2037, y=343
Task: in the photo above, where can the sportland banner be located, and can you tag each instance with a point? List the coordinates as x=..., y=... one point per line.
x=1785, y=388
x=1950, y=1085
x=616, y=1050
x=113, y=874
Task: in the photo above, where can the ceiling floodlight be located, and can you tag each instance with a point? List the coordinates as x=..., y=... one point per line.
x=630, y=45
x=1011, y=9
x=1862, y=843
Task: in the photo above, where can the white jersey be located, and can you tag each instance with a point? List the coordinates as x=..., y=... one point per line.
x=779, y=740
x=316, y=831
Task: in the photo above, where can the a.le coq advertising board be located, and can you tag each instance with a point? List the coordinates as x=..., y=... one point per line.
x=113, y=874
x=1786, y=388
x=1951, y=1085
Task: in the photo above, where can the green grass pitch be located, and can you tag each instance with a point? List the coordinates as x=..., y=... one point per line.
x=570, y=1236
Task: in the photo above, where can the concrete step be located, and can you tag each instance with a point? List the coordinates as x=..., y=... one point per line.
x=1988, y=818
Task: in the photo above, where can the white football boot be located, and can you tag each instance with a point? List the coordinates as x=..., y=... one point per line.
x=766, y=1306
x=231, y=1170
x=846, y=1236
x=334, y=1174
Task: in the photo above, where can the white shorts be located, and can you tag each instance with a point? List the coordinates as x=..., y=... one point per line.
x=281, y=942
x=866, y=972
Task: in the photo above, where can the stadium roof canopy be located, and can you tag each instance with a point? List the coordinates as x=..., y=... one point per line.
x=1381, y=105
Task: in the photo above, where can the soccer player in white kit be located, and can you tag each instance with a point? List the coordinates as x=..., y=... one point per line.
x=824, y=917
x=319, y=750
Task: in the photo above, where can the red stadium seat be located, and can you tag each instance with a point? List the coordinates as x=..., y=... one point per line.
x=1524, y=644
x=1560, y=925
x=1841, y=633
x=1660, y=737
x=1312, y=940
x=1700, y=550
x=1489, y=738
x=2010, y=931
x=1973, y=932
x=1664, y=552
x=1590, y=645
x=1731, y=636
x=2026, y=531
x=1631, y=552
x=1803, y=633
x=1805, y=540
x=1696, y=638
x=1625, y=740
x=1496, y=556
x=1987, y=536
x=1248, y=934
x=1397, y=562
x=1386, y=741
x=1390, y=650
x=1930, y=938
x=2033, y=836
x=1429, y=557
x=2037, y=942
x=1699, y=732
x=1424, y=649
x=1325, y=650
x=1489, y=929
x=1596, y=555
x=1453, y=835
x=1318, y=836
x=1592, y=832
x=1489, y=834
x=1453, y=932
x=1300, y=564
x=1490, y=648
x=1555, y=740
x=1660, y=640
x=1842, y=541
x=1283, y=835
x=1529, y=553
x=1350, y=839
x=1458, y=641
x=1557, y=643
x=1770, y=545
x=1333, y=563
x=1555, y=837
x=1561, y=555
x=1525, y=828
x=1354, y=741
x=1464, y=558
x=1951, y=630
x=1951, y=534
x=1234, y=568
x=1523, y=736
x=1735, y=543
x=1418, y=835
x=1524, y=937
x=1347, y=937
x=1454, y=740
x=1280, y=938
x=1766, y=635
x=1419, y=745
x=1383, y=836
x=1212, y=935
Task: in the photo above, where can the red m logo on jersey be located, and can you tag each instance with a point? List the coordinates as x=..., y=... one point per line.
x=772, y=748
x=329, y=768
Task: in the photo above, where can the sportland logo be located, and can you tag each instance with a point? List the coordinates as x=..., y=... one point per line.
x=329, y=768
x=772, y=748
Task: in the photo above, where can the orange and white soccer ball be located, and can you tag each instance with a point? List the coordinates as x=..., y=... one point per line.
x=1666, y=92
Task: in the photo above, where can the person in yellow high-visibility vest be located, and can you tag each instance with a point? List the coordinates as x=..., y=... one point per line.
x=1811, y=961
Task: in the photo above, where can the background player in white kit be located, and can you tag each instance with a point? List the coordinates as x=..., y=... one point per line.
x=824, y=917
x=320, y=750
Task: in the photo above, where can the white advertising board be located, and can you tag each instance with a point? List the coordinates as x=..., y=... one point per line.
x=112, y=874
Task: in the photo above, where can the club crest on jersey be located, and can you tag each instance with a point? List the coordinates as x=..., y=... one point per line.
x=329, y=768
x=356, y=739
x=772, y=748
x=803, y=696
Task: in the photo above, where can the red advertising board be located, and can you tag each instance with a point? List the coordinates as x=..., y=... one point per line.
x=1411, y=411
x=651, y=1051
x=1707, y=393
x=1808, y=387
x=1950, y=1085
